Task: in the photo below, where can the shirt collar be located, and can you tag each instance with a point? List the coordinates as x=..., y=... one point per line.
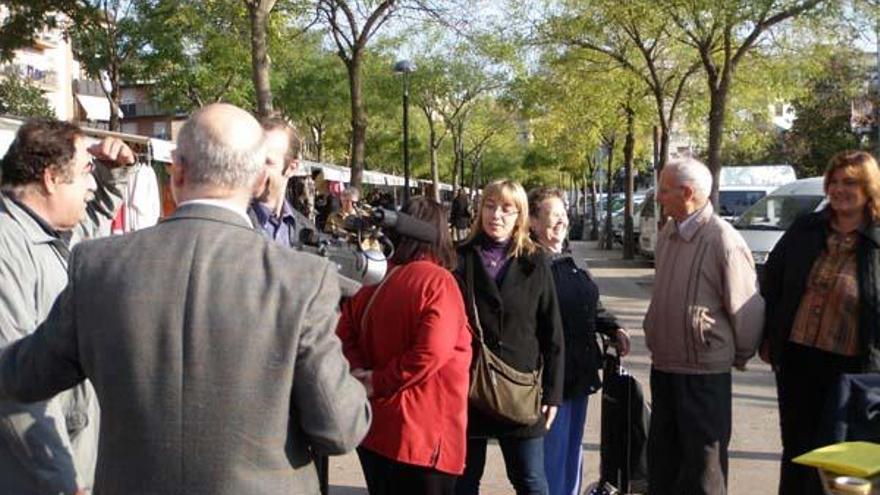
x=688, y=227
x=44, y=226
x=264, y=213
x=219, y=203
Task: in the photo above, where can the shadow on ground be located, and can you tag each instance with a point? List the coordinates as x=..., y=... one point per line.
x=347, y=490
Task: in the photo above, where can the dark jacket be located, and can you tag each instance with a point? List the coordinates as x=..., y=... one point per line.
x=521, y=322
x=787, y=272
x=582, y=316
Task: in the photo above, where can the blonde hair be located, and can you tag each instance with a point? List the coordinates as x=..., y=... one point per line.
x=861, y=166
x=508, y=190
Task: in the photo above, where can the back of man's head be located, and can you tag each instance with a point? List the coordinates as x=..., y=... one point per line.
x=221, y=145
x=693, y=173
x=39, y=144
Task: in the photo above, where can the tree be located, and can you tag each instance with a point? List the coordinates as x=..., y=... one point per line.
x=20, y=97
x=258, y=14
x=722, y=33
x=105, y=34
x=312, y=91
x=352, y=32
x=198, y=53
x=631, y=36
x=107, y=43
x=823, y=125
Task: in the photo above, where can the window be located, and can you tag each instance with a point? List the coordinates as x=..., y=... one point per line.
x=128, y=109
x=734, y=203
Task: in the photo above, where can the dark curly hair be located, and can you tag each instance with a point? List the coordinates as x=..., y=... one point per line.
x=40, y=144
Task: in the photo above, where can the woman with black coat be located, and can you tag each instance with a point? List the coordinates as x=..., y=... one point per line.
x=507, y=285
x=822, y=287
x=582, y=316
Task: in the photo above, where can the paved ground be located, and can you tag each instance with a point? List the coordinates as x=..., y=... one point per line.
x=626, y=288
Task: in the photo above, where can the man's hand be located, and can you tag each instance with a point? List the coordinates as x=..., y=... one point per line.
x=366, y=379
x=621, y=341
x=113, y=151
x=549, y=413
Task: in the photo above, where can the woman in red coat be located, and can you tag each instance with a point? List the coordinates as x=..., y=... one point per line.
x=408, y=341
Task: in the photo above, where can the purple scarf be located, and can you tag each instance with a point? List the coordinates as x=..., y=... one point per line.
x=494, y=257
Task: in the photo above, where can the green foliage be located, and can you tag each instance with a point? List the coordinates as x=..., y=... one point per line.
x=199, y=53
x=27, y=18
x=822, y=126
x=20, y=97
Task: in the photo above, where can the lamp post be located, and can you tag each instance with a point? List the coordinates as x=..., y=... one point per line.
x=405, y=67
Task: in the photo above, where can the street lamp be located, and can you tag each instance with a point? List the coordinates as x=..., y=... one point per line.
x=405, y=67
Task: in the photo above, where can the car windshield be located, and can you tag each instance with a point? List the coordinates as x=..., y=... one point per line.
x=734, y=203
x=777, y=212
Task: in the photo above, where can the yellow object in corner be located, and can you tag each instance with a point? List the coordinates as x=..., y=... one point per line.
x=852, y=458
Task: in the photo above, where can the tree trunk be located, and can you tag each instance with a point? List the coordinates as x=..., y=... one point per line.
x=629, y=247
x=663, y=155
x=358, y=119
x=594, y=214
x=435, y=173
x=608, y=237
x=319, y=144
x=114, y=97
x=258, y=12
x=717, y=109
x=458, y=154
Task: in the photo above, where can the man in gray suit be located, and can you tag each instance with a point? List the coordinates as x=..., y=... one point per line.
x=211, y=349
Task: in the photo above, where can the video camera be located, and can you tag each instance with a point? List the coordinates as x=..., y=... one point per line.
x=363, y=254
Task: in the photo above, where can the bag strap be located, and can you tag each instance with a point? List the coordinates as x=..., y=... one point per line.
x=373, y=298
x=472, y=298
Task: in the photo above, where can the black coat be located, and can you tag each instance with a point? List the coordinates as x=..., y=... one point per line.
x=788, y=270
x=521, y=322
x=582, y=316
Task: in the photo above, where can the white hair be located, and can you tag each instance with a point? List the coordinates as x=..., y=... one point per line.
x=693, y=173
x=208, y=160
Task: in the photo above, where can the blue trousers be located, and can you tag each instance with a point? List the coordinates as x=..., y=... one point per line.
x=523, y=460
x=563, y=452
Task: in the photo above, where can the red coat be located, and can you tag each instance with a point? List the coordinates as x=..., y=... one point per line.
x=418, y=344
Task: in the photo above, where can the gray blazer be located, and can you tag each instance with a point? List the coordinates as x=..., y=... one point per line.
x=213, y=354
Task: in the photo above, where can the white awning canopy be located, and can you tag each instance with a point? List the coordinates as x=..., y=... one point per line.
x=96, y=107
x=162, y=149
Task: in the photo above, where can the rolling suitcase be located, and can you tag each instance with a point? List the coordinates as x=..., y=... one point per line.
x=625, y=420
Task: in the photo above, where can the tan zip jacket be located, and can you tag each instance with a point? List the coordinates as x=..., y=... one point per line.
x=706, y=313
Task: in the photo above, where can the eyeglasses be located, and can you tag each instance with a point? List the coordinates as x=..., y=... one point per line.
x=506, y=210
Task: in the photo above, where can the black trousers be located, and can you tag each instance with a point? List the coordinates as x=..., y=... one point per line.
x=386, y=476
x=804, y=381
x=690, y=432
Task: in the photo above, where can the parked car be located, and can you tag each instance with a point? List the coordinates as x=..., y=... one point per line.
x=648, y=225
x=763, y=224
x=617, y=219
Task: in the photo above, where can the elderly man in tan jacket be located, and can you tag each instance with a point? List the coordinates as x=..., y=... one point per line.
x=705, y=316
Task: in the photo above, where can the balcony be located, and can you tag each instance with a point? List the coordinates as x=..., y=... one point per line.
x=47, y=79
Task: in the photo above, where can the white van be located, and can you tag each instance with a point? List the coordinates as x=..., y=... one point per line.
x=741, y=187
x=763, y=224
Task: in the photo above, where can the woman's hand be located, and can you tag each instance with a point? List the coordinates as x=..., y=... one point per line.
x=549, y=413
x=366, y=379
x=621, y=341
